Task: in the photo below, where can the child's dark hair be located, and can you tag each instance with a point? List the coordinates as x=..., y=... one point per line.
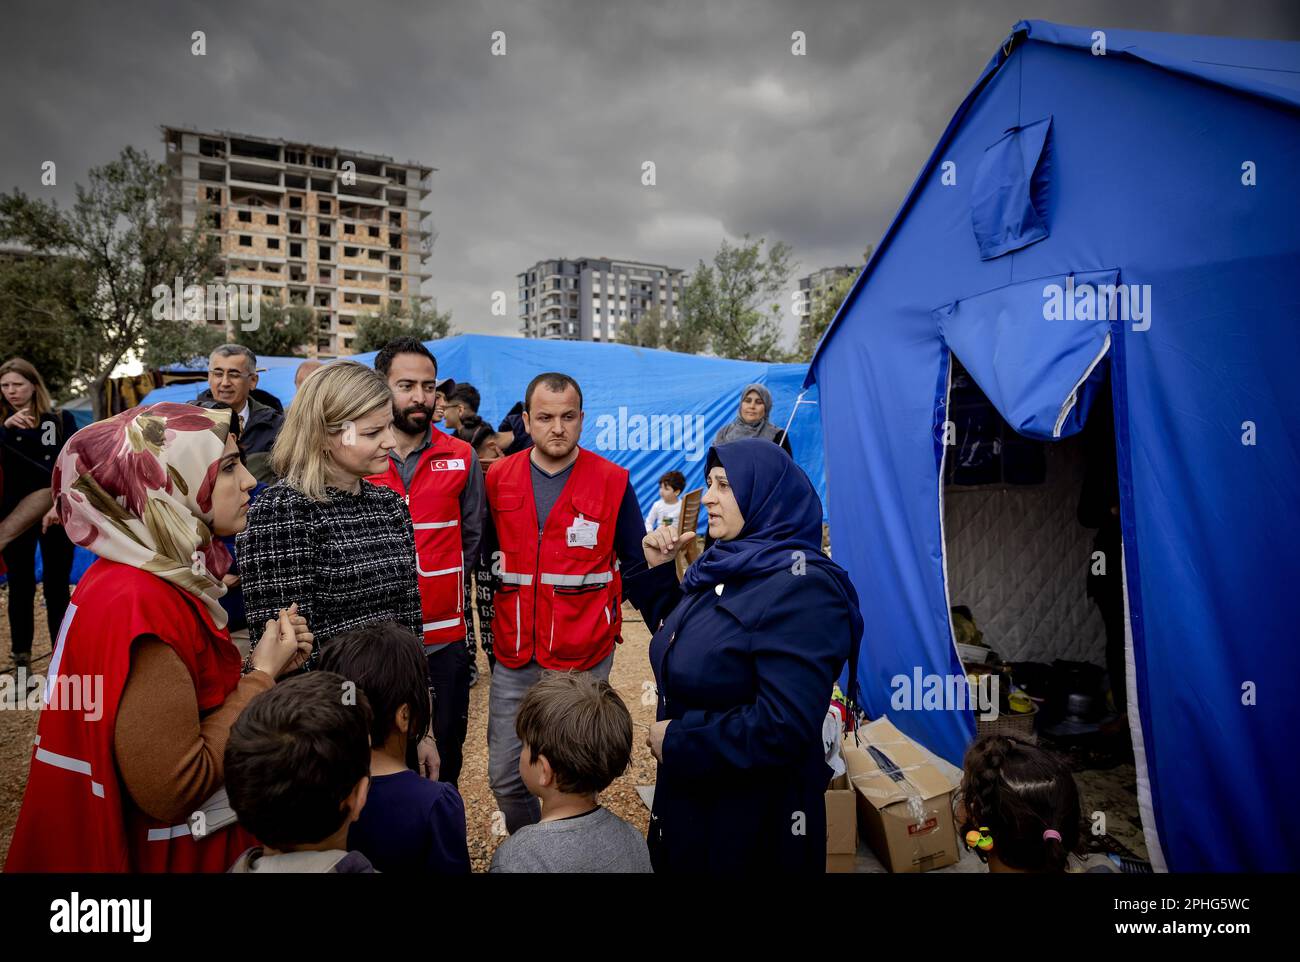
x=582, y=727
x=675, y=480
x=474, y=430
x=294, y=755
x=1020, y=791
x=466, y=394
x=386, y=662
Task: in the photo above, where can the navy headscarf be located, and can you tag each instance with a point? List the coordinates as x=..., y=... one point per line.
x=782, y=515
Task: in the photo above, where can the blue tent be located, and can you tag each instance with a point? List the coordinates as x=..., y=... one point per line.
x=650, y=411
x=1104, y=205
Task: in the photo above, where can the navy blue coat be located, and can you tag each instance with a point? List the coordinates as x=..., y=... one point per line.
x=746, y=679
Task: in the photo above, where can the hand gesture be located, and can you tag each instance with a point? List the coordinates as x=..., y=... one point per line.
x=20, y=419
x=662, y=544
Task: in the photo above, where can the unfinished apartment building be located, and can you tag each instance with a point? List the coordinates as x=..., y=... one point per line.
x=338, y=230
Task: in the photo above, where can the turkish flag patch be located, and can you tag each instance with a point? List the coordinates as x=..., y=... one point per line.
x=447, y=464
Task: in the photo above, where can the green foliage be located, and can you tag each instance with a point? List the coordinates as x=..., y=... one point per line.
x=122, y=238
x=34, y=323
x=281, y=331
x=376, y=330
x=732, y=306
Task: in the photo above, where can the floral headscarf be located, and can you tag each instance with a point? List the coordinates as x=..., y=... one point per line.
x=136, y=488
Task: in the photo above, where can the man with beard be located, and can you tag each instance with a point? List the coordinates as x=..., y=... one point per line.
x=565, y=542
x=442, y=483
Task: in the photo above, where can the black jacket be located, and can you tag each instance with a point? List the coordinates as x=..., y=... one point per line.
x=28, y=460
x=259, y=434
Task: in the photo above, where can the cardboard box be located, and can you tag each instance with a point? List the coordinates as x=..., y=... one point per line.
x=841, y=826
x=903, y=799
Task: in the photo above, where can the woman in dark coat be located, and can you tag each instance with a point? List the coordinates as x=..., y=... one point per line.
x=32, y=433
x=745, y=661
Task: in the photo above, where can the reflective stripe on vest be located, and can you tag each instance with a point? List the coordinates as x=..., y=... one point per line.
x=434, y=574
x=577, y=581
x=514, y=578
x=435, y=625
x=429, y=525
x=167, y=834
x=70, y=765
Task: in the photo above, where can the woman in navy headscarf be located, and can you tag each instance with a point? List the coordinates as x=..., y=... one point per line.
x=745, y=661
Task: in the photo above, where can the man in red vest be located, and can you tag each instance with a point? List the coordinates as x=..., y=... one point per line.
x=565, y=544
x=440, y=479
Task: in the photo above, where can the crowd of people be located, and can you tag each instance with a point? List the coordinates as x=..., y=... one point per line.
x=353, y=537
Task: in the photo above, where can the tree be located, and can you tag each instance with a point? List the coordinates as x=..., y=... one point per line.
x=122, y=238
x=414, y=320
x=646, y=332
x=812, y=329
x=732, y=307
x=281, y=331
x=33, y=322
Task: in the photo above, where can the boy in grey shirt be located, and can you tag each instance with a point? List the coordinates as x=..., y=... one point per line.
x=577, y=738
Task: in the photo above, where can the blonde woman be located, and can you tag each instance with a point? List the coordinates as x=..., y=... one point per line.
x=323, y=536
x=32, y=433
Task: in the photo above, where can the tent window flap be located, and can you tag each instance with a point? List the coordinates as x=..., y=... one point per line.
x=1009, y=196
x=1036, y=347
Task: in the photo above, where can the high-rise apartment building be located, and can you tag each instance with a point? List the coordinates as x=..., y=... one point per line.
x=340, y=231
x=814, y=288
x=591, y=298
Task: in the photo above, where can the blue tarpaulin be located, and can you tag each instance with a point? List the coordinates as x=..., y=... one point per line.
x=1090, y=168
x=650, y=411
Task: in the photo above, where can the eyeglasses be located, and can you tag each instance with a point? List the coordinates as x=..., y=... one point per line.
x=221, y=375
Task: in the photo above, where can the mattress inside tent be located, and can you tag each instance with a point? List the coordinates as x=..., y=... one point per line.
x=1018, y=558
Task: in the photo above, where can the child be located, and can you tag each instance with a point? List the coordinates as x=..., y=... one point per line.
x=1021, y=806
x=297, y=766
x=410, y=824
x=668, y=507
x=577, y=738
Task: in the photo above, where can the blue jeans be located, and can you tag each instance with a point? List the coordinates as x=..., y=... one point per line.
x=514, y=801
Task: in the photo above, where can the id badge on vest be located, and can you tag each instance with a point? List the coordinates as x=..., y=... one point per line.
x=582, y=533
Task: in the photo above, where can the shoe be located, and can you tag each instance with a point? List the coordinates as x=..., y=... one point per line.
x=22, y=659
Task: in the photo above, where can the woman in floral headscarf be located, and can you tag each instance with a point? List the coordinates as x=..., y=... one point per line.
x=144, y=680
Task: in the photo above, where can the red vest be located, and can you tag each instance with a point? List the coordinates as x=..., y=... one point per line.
x=559, y=595
x=76, y=814
x=434, y=503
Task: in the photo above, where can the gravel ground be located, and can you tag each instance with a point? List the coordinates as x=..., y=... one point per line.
x=631, y=675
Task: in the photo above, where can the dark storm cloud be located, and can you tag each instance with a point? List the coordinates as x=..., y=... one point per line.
x=540, y=151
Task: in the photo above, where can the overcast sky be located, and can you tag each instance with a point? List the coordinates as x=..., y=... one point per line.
x=539, y=152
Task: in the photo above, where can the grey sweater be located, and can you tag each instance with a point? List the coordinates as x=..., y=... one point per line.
x=599, y=841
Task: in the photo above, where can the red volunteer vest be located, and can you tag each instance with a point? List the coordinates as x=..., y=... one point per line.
x=559, y=595
x=76, y=814
x=434, y=504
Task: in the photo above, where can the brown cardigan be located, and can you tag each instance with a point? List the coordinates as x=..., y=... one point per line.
x=170, y=758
